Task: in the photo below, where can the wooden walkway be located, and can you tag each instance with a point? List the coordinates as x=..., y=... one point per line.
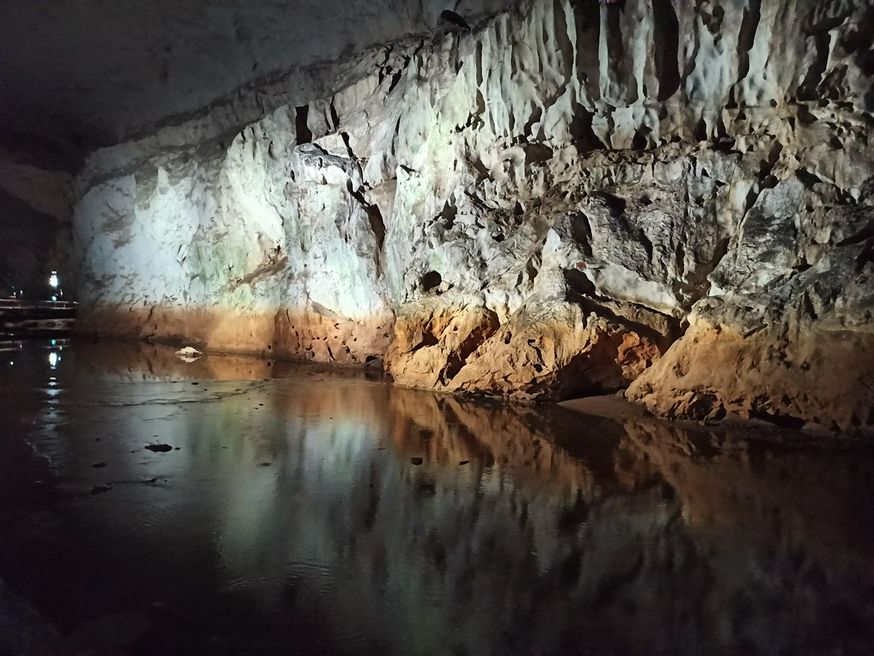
x=31, y=317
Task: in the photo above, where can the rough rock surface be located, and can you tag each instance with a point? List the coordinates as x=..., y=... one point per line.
x=570, y=197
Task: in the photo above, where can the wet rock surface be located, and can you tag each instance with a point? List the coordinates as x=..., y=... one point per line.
x=561, y=533
x=541, y=207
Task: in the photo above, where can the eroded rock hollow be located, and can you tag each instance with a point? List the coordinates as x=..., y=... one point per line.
x=570, y=198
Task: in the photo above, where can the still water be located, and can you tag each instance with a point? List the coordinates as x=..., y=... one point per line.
x=301, y=511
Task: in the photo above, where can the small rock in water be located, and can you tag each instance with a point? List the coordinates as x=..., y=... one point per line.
x=99, y=465
x=97, y=489
x=265, y=464
x=159, y=448
x=417, y=460
x=188, y=354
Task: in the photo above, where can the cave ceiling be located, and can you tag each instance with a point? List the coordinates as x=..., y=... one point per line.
x=79, y=74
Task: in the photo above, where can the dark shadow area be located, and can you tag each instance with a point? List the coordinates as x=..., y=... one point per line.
x=304, y=135
x=666, y=35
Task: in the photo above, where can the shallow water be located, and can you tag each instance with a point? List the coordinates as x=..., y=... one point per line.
x=291, y=517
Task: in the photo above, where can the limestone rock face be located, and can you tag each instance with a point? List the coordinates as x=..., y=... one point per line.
x=572, y=197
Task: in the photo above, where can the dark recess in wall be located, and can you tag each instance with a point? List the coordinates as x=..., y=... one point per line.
x=304, y=135
x=667, y=45
x=431, y=280
x=27, y=247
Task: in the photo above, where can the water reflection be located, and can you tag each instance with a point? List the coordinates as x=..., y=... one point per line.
x=293, y=519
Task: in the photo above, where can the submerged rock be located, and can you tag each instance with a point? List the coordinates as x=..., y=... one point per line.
x=159, y=448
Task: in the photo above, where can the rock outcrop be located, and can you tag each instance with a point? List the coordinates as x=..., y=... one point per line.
x=571, y=198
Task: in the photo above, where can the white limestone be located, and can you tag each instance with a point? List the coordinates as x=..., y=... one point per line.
x=643, y=164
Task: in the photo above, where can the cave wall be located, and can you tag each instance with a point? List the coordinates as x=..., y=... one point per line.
x=571, y=198
x=35, y=225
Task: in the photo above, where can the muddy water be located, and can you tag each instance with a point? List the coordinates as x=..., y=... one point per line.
x=299, y=511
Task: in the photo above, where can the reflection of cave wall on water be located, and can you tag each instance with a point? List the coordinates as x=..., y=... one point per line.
x=569, y=198
x=545, y=532
x=656, y=535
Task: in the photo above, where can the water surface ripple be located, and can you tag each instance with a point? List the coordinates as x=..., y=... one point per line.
x=300, y=511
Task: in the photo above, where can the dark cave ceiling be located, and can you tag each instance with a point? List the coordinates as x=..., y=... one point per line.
x=77, y=74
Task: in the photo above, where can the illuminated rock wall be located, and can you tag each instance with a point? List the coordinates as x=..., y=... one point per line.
x=570, y=198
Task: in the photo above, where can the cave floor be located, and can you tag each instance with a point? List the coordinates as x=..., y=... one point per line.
x=239, y=506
